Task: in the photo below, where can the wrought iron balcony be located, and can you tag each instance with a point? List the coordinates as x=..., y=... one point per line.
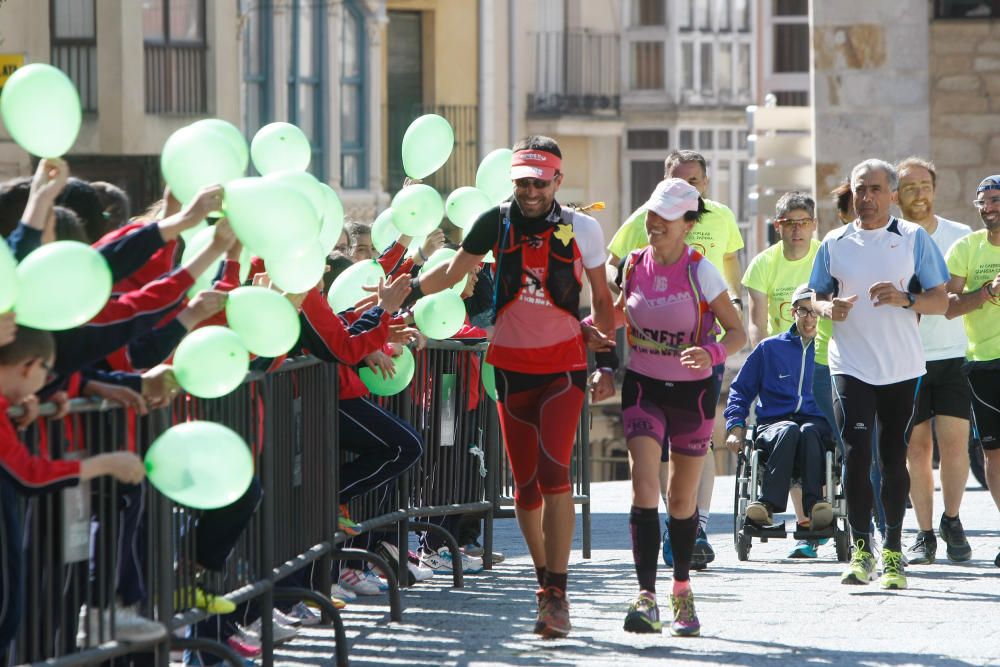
x=575, y=73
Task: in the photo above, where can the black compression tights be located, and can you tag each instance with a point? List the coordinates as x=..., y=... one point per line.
x=856, y=406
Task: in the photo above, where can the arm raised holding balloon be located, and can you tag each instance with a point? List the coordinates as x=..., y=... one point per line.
x=208, y=200
x=47, y=183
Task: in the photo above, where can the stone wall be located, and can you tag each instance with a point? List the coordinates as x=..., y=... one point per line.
x=965, y=112
x=870, y=86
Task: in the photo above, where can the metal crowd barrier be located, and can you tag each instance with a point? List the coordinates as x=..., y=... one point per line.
x=289, y=419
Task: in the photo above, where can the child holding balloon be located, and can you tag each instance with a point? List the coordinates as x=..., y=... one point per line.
x=24, y=365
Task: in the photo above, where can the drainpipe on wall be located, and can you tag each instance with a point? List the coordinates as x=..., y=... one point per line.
x=513, y=73
x=487, y=77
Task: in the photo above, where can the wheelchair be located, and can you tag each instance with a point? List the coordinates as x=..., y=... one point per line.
x=749, y=475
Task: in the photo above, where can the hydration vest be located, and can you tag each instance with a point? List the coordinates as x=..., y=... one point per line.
x=559, y=279
x=705, y=331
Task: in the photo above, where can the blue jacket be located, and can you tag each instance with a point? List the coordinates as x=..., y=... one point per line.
x=778, y=374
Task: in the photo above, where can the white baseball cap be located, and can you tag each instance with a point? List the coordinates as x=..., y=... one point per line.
x=672, y=198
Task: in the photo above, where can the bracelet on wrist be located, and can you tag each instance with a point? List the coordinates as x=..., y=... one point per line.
x=420, y=251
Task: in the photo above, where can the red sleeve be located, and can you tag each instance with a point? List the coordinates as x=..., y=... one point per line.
x=330, y=331
x=391, y=257
x=230, y=279
x=32, y=474
x=403, y=269
x=150, y=298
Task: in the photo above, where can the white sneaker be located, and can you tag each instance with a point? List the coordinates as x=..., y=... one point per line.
x=341, y=593
x=439, y=562
x=420, y=573
x=282, y=633
x=352, y=580
x=471, y=564
x=129, y=627
x=369, y=575
x=285, y=619
x=304, y=615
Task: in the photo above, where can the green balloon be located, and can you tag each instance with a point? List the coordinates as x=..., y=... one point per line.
x=232, y=134
x=381, y=386
x=305, y=184
x=265, y=321
x=443, y=256
x=465, y=205
x=493, y=175
x=427, y=145
x=211, y=362
x=279, y=146
x=299, y=272
x=346, y=289
x=41, y=110
x=489, y=379
x=270, y=219
x=8, y=279
x=384, y=233
x=196, y=157
x=200, y=464
x=333, y=219
x=192, y=247
x=61, y=285
x=439, y=316
x=417, y=210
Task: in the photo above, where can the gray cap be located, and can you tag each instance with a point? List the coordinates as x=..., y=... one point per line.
x=989, y=183
x=802, y=292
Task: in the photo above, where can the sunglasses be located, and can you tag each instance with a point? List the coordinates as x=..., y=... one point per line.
x=538, y=183
x=983, y=203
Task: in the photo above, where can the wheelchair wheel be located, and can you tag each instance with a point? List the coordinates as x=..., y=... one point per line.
x=740, y=541
x=842, y=541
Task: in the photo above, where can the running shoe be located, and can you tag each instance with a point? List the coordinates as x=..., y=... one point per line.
x=759, y=514
x=553, y=615
x=541, y=600
x=437, y=561
x=337, y=591
x=668, y=554
x=923, y=550
x=368, y=574
x=305, y=615
x=893, y=573
x=861, y=569
x=643, y=615
x=202, y=599
x=805, y=549
x=280, y=633
x=345, y=524
x=821, y=515
x=475, y=550
x=244, y=644
x=953, y=534
x=285, y=619
x=686, y=622
x=390, y=554
x=354, y=581
x=703, y=554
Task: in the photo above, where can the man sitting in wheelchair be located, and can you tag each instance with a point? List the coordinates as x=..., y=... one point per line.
x=791, y=430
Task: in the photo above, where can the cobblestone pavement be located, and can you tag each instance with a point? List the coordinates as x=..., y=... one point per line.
x=770, y=610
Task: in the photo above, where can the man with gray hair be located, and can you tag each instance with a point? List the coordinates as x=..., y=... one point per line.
x=873, y=277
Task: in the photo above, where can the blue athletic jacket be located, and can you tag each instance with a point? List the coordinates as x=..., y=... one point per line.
x=778, y=374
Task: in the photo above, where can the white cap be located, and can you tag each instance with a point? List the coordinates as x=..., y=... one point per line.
x=672, y=198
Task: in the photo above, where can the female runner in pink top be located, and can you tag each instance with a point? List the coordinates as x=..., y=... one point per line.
x=671, y=298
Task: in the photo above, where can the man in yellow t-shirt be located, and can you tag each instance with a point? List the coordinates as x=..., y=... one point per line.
x=717, y=237
x=974, y=263
x=774, y=274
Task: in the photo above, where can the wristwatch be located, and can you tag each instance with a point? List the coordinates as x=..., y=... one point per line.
x=911, y=298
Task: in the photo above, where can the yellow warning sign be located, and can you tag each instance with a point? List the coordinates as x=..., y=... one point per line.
x=9, y=62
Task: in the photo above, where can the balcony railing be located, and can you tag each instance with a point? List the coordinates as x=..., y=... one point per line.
x=78, y=59
x=461, y=166
x=176, y=79
x=575, y=73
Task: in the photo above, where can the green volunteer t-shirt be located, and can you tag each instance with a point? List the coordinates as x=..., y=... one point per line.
x=770, y=273
x=824, y=330
x=974, y=258
x=715, y=235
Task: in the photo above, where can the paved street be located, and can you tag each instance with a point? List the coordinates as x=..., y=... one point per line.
x=770, y=610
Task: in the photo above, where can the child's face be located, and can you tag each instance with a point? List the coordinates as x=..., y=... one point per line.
x=31, y=376
x=470, y=285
